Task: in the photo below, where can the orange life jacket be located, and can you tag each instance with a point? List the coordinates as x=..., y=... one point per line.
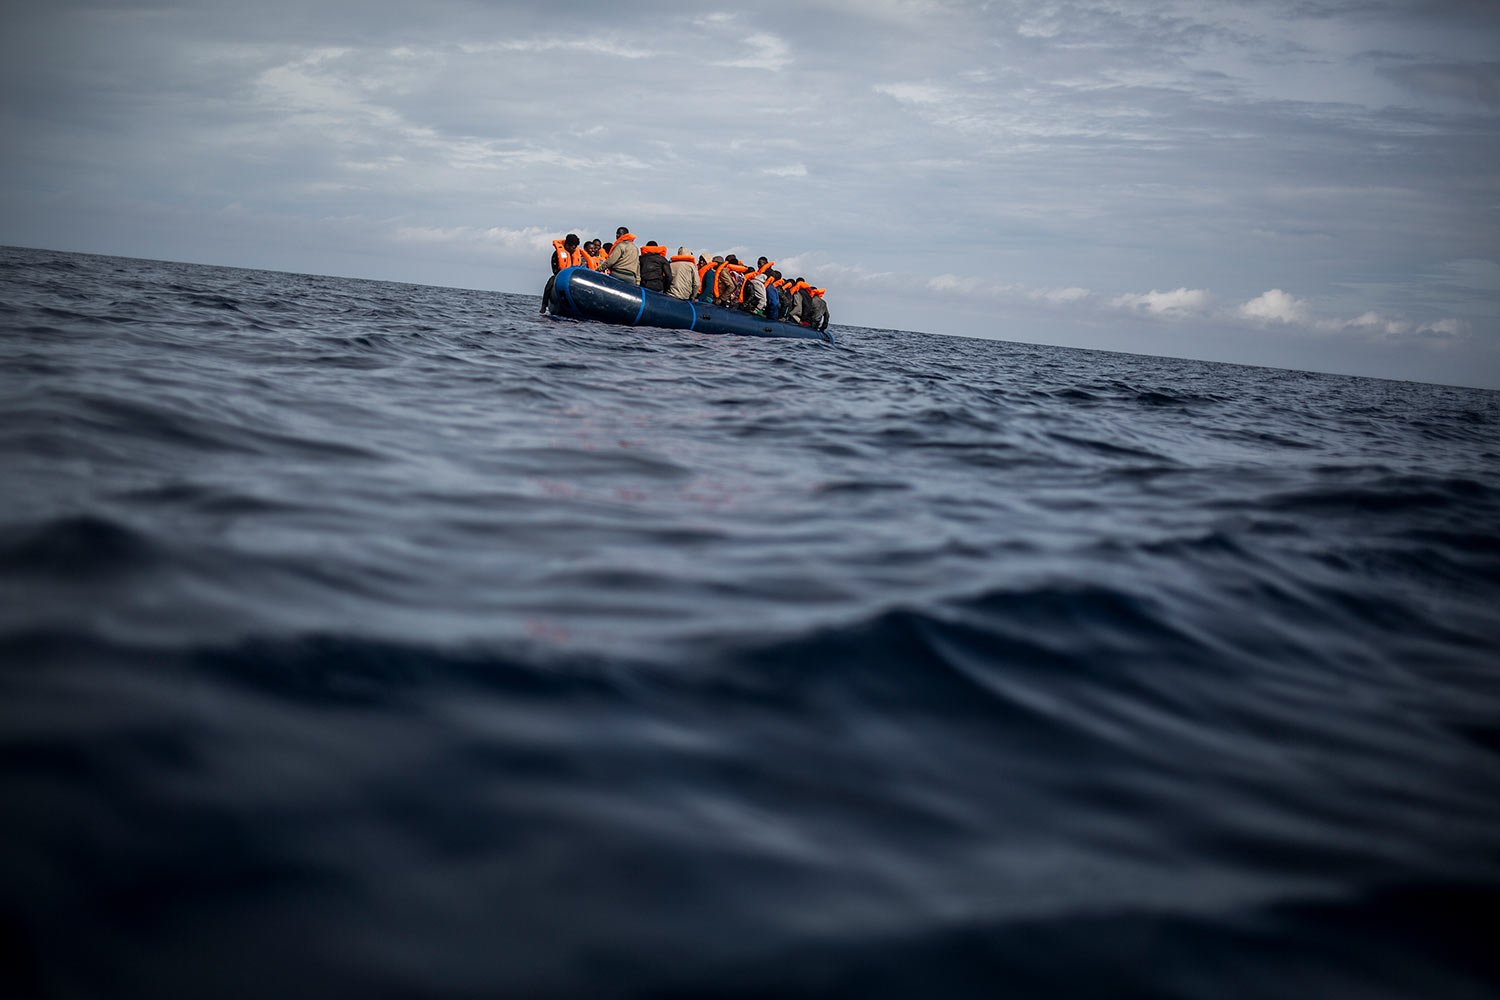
x=736, y=268
x=759, y=270
x=565, y=259
x=687, y=257
x=660, y=250
x=590, y=261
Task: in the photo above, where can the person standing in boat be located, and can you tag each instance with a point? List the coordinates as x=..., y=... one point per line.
x=684, y=283
x=624, y=260
x=656, y=272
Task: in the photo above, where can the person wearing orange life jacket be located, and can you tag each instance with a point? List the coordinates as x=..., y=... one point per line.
x=655, y=271
x=818, y=319
x=752, y=298
x=773, y=294
x=798, y=293
x=788, y=298
x=684, y=283
x=707, y=273
x=592, y=255
x=728, y=280
x=565, y=253
x=624, y=260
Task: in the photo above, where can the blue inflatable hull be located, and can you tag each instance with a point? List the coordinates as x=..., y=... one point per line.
x=580, y=293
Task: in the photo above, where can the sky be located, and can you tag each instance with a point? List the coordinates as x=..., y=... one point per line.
x=1307, y=184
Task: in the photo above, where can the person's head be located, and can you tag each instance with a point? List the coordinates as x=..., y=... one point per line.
x=608, y=247
x=652, y=243
x=685, y=252
x=731, y=259
x=776, y=275
x=718, y=259
x=570, y=241
x=621, y=231
x=762, y=262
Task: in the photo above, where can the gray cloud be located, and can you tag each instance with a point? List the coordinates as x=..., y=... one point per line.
x=1041, y=159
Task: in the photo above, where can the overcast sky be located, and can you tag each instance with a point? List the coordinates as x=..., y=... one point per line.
x=1309, y=184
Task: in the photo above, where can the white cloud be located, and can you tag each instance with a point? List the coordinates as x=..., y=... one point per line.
x=790, y=170
x=1181, y=303
x=526, y=239
x=587, y=46
x=1060, y=296
x=768, y=52
x=914, y=93
x=954, y=284
x=1275, y=306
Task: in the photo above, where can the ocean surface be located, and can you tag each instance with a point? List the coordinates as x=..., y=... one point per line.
x=362, y=639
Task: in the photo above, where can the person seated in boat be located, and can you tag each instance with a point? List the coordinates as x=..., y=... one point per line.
x=707, y=273
x=566, y=253
x=773, y=295
x=796, y=312
x=593, y=255
x=655, y=270
x=624, y=259
x=753, y=291
x=818, y=318
x=683, y=268
x=730, y=278
x=805, y=293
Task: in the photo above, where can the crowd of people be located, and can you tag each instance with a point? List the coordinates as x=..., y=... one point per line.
x=718, y=280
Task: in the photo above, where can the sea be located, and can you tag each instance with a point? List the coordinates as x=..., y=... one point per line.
x=364, y=639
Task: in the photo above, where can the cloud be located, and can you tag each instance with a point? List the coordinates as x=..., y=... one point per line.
x=1476, y=82
x=768, y=52
x=954, y=284
x=791, y=170
x=1061, y=296
x=914, y=93
x=586, y=46
x=526, y=239
x=1182, y=303
x=1275, y=306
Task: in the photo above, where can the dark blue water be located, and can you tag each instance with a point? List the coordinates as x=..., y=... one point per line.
x=364, y=639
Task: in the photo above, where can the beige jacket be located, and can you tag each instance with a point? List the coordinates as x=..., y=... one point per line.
x=684, y=283
x=624, y=262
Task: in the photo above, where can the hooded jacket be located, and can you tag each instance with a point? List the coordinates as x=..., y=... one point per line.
x=624, y=260
x=684, y=282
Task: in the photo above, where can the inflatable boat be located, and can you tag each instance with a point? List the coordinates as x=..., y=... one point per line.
x=579, y=293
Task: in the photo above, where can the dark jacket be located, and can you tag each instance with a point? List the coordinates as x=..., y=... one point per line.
x=818, y=319
x=656, y=271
